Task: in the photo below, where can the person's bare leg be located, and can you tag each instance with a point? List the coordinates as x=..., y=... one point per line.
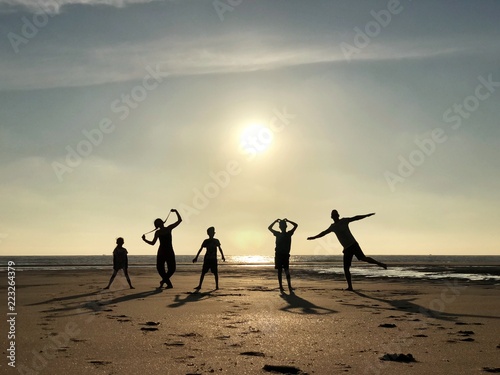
x=112, y=278
x=373, y=261
x=201, y=281
x=289, y=280
x=347, y=272
x=128, y=279
x=280, y=278
x=216, y=275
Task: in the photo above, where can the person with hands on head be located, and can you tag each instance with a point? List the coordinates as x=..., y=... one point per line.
x=210, y=259
x=341, y=229
x=282, y=250
x=165, y=250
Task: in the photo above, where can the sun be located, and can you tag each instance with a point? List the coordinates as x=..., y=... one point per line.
x=256, y=138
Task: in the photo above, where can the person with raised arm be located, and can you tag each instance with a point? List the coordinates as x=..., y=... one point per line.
x=165, y=250
x=341, y=229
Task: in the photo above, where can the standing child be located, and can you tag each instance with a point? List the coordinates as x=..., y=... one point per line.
x=282, y=250
x=120, y=261
x=210, y=260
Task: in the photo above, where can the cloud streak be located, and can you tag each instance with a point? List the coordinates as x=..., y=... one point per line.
x=219, y=55
x=55, y=6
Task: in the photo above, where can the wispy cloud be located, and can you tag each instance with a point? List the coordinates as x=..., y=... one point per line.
x=55, y=6
x=217, y=55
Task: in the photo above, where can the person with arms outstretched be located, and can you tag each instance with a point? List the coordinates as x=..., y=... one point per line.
x=210, y=259
x=120, y=262
x=341, y=229
x=165, y=250
x=282, y=249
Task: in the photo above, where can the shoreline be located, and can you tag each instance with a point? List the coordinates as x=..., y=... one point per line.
x=66, y=323
x=319, y=271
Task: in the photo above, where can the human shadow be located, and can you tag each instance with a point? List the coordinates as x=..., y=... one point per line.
x=190, y=297
x=100, y=303
x=407, y=305
x=66, y=298
x=299, y=305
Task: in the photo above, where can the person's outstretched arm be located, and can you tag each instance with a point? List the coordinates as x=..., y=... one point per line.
x=324, y=233
x=270, y=227
x=150, y=242
x=359, y=217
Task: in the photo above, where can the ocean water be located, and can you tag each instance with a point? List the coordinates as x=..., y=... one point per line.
x=469, y=268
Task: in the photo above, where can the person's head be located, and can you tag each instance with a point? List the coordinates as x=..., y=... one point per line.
x=282, y=225
x=335, y=215
x=158, y=223
x=120, y=241
x=211, y=231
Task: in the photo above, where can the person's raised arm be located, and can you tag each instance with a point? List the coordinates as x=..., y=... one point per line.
x=179, y=219
x=319, y=235
x=270, y=227
x=150, y=242
x=359, y=217
x=295, y=225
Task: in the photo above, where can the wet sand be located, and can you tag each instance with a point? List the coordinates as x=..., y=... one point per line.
x=67, y=324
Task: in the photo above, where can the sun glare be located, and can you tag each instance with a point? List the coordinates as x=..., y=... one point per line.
x=256, y=138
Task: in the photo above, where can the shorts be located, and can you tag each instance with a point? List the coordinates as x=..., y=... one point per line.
x=120, y=266
x=350, y=252
x=209, y=265
x=281, y=261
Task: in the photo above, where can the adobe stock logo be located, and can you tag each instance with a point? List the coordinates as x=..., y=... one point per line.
x=372, y=29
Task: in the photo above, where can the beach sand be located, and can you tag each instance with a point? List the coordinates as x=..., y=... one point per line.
x=66, y=324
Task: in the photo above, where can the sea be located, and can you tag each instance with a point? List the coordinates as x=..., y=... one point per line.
x=429, y=267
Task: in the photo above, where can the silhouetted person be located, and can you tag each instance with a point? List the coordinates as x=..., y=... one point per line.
x=282, y=250
x=120, y=262
x=340, y=227
x=210, y=259
x=165, y=251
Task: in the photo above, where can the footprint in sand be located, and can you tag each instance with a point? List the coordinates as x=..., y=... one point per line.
x=150, y=326
x=190, y=334
x=405, y=358
x=282, y=369
x=174, y=343
x=467, y=335
x=100, y=363
x=253, y=354
x=492, y=369
x=149, y=329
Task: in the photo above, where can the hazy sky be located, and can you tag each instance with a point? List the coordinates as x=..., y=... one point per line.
x=237, y=112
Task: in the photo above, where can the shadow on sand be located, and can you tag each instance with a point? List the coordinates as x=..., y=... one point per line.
x=299, y=305
x=96, y=304
x=190, y=297
x=407, y=305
